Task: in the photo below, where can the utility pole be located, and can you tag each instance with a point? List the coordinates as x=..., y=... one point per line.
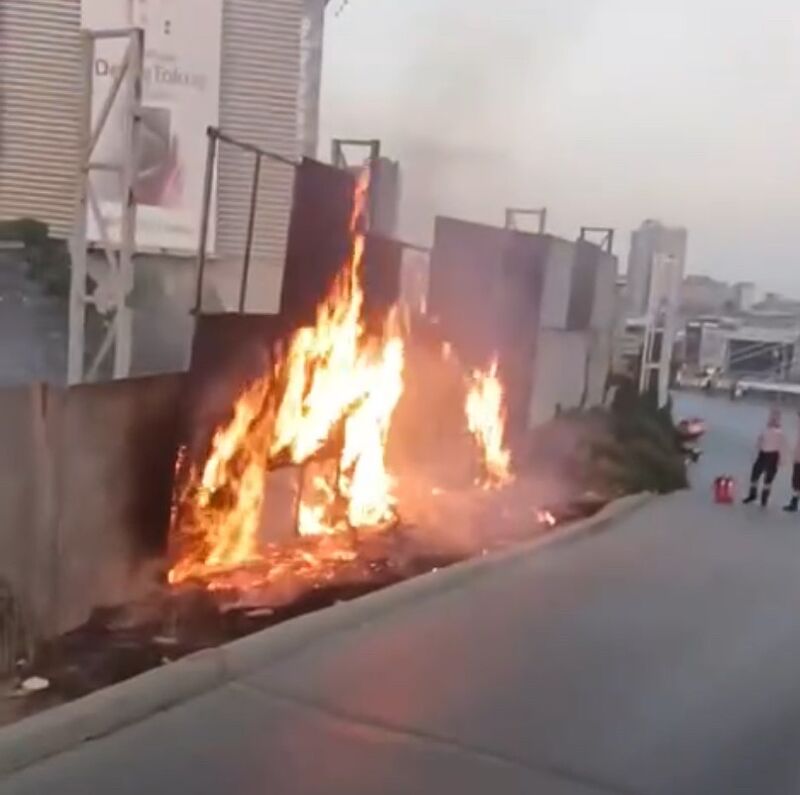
x=661, y=323
x=114, y=282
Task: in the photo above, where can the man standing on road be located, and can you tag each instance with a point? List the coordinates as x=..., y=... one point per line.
x=771, y=443
x=791, y=507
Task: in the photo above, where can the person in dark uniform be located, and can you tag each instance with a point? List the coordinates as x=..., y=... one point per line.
x=792, y=505
x=771, y=443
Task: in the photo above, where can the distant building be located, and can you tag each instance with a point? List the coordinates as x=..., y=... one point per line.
x=744, y=296
x=652, y=245
x=740, y=350
x=701, y=295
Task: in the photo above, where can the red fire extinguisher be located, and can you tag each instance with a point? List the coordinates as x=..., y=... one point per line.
x=723, y=490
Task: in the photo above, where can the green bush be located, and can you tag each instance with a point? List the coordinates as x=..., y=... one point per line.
x=48, y=260
x=27, y=231
x=49, y=264
x=643, y=443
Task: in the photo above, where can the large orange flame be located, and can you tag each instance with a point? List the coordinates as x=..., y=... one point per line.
x=486, y=419
x=332, y=395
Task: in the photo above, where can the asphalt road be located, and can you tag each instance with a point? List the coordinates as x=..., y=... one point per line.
x=660, y=657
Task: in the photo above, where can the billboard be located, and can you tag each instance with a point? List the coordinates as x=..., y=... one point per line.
x=180, y=98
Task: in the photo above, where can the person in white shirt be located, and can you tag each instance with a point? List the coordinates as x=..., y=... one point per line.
x=791, y=507
x=771, y=443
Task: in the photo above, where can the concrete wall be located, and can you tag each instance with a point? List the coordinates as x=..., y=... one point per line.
x=571, y=366
x=24, y=554
x=557, y=284
x=559, y=373
x=599, y=367
x=115, y=454
x=486, y=295
x=85, y=484
x=606, y=306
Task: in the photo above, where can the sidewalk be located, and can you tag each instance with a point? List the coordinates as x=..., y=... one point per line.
x=659, y=657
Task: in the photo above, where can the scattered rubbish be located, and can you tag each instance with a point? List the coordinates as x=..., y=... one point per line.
x=165, y=640
x=260, y=612
x=34, y=684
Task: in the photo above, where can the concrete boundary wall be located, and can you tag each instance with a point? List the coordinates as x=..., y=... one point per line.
x=23, y=501
x=559, y=374
x=85, y=483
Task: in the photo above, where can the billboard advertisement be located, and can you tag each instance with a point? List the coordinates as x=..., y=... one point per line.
x=180, y=98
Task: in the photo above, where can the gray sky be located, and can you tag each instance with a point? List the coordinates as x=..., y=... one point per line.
x=608, y=111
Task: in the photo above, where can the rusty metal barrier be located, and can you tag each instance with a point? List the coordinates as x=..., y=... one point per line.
x=217, y=137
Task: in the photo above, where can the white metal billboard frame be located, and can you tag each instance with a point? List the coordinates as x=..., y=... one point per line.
x=113, y=288
x=661, y=319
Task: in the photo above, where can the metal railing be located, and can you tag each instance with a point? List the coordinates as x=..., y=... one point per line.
x=216, y=138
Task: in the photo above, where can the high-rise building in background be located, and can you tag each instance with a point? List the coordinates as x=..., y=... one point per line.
x=744, y=296
x=653, y=246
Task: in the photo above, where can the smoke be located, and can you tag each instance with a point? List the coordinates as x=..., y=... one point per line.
x=606, y=111
x=448, y=109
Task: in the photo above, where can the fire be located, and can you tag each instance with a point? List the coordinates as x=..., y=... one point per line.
x=486, y=419
x=330, y=398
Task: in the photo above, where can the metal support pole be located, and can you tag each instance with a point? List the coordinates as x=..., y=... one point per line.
x=77, y=288
x=124, y=286
x=208, y=187
x=115, y=284
x=105, y=111
x=251, y=222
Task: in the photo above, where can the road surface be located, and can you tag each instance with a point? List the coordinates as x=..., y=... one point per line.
x=659, y=658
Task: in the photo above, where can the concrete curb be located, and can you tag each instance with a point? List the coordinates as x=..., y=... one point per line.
x=60, y=729
x=242, y=657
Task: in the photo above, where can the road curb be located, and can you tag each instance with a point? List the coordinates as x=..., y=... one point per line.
x=65, y=727
x=243, y=656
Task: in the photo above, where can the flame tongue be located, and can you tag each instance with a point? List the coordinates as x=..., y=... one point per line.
x=335, y=388
x=486, y=420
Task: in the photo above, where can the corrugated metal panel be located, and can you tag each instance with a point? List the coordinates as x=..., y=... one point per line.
x=39, y=117
x=259, y=96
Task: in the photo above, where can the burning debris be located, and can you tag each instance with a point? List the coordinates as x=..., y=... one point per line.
x=326, y=407
x=295, y=492
x=296, y=504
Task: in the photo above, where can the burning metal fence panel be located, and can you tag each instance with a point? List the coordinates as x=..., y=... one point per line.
x=486, y=294
x=326, y=407
x=322, y=459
